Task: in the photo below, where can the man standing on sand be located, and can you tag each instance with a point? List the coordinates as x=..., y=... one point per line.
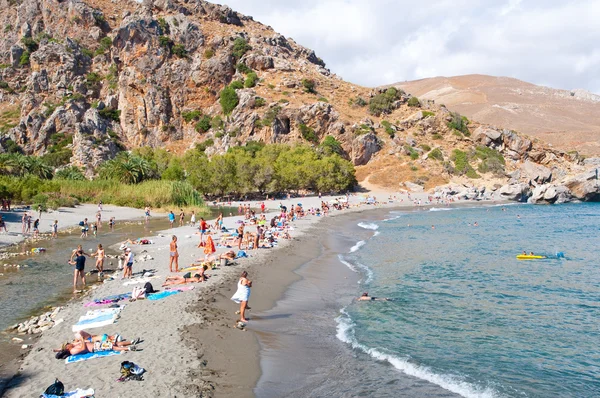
x=203, y=229
x=79, y=263
x=171, y=218
x=23, y=223
x=128, y=271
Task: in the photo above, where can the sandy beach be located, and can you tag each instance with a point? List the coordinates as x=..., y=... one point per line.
x=190, y=346
x=68, y=218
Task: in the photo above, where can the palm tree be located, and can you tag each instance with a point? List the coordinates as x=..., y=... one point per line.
x=38, y=168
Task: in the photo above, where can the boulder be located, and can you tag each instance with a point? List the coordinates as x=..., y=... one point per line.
x=535, y=173
x=516, y=192
x=585, y=187
x=517, y=146
x=364, y=147
x=15, y=56
x=259, y=62
x=550, y=194
x=487, y=136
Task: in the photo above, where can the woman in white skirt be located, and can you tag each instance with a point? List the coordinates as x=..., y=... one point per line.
x=242, y=295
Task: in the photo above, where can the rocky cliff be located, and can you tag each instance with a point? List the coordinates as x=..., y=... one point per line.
x=82, y=80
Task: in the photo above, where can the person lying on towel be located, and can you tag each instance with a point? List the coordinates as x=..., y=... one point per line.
x=186, y=278
x=85, y=343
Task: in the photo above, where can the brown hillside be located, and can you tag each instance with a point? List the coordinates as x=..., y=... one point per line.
x=566, y=119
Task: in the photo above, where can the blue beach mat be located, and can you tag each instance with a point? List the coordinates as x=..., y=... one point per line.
x=91, y=355
x=162, y=295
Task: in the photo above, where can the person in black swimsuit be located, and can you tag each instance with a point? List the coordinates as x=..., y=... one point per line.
x=79, y=263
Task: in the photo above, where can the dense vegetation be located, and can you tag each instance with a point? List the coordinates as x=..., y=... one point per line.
x=158, y=178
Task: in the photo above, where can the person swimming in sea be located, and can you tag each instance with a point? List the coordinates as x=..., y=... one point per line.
x=365, y=297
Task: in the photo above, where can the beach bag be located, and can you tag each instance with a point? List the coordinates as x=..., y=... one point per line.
x=130, y=371
x=241, y=254
x=81, y=223
x=57, y=388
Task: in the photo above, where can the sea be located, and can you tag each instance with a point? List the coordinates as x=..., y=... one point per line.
x=465, y=317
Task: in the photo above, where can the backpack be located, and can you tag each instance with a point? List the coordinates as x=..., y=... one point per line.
x=57, y=388
x=81, y=223
x=130, y=371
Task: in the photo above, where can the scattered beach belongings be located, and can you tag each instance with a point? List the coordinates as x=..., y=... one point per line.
x=91, y=355
x=131, y=371
x=38, y=324
x=108, y=300
x=145, y=257
x=37, y=250
x=97, y=318
x=79, y=393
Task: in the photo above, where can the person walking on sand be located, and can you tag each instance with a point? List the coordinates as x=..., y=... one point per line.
x=128, y=270
x=28, y=220
x=181, y=218
x=242, y=295
x=36, y=228
x=100, y=255
x=203, y=230
x=171, y=218
x=79, y=263
x=173, y=255
x=55, y=229
x=240, y=232
x=147, y=213
x=39, y=211
x=193, y=219
x=219, y=222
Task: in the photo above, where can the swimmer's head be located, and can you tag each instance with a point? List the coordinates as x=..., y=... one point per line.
x=365, y=294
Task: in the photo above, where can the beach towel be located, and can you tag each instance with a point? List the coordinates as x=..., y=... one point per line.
x=107, y=300
x=181, y=288
x=97, y=318
x=79, y=393
x=209, y=247
x=241, y=254
x=91, y=355
x=91, y=323
x=162, y=295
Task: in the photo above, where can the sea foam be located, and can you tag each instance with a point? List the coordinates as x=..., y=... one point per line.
x=371, y=226
x=345, y=333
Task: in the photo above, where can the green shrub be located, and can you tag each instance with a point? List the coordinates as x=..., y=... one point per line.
x=236, y=85
x=459, y=123
x=99, y=18
x=322, y=99
x=105, y=44
x=209, y=53
x=229, y=100
x=414, y=155
x=12, y=147
x=383, y=102
x=436, y=154
x=270, y=116
x=492, y=160
x=112, y=114
x=259, y=102
x=92, y=80
x=425, y=147
x=87, y=52
x=309, y=86
x=202, y=146
x=165, y=42
x=180, y=51
x=437, y=136
x=414, y=102
x=427, y=113
x=189, y=116
x=330, y=145
x=240, y=47
x=164, y=26
x=30, y=44
x=388, y=128
x=203, y=124
x=251, y=80
x=24, y=59
x=243, y=68
x=308, y=133
x=217, y=123
x=360, y=102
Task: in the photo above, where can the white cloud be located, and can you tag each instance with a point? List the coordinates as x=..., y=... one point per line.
x=375, y=42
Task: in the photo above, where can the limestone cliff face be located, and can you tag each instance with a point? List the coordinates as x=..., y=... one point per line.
x=117, y=75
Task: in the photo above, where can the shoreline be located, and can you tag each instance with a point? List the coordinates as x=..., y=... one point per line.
x=214, y=325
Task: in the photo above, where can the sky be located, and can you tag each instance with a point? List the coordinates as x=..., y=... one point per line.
x=554, y=43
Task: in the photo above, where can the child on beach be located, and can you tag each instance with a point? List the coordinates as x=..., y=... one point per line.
x=128, y=270
x=100, y=258
x=55, y=229
x=173, y=255
x=79, y=263
x=193, y=219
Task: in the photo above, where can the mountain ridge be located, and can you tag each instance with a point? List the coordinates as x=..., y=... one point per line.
x=83, y=80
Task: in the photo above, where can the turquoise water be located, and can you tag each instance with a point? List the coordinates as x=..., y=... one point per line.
x=467, y=315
